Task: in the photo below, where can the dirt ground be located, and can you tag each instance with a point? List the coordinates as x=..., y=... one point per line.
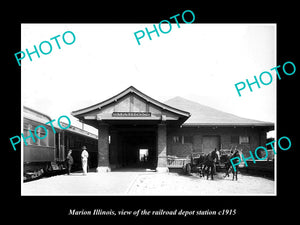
x=175, y=184
x=148, y=183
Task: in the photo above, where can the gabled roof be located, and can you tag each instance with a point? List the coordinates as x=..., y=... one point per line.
x=190, y=113
x=206, y=116
x=131, y=89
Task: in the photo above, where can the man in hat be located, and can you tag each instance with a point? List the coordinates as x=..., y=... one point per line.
x=69, y=161
x=84, y=159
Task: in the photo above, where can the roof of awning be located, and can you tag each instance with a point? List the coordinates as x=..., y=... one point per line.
x=131, y=105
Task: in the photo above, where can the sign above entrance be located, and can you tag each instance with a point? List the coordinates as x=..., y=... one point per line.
x=131, y=114
x=131, y=105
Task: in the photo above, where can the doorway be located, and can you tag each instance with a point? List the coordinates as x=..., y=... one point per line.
x=210, y=143
x=143, y=157
x=135, y=148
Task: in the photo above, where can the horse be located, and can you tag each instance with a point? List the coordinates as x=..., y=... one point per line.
x=228, y=165
x=210, y=163
x=199, y=161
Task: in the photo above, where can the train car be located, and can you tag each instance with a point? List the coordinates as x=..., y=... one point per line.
x=38, y=154
x=73, y=139
x=48, y=156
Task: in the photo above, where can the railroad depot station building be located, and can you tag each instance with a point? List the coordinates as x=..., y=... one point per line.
x=135, y=130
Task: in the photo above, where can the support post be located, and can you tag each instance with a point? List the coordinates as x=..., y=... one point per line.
x=103, y=149
x=162, y=148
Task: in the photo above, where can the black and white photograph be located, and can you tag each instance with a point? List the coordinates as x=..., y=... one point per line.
x=166, y=114
x=151, y=115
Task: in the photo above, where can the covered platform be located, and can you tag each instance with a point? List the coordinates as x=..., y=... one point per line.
x=132, y=130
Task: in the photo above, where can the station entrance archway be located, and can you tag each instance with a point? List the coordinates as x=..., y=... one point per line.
x=132, y=125
x=133, y=147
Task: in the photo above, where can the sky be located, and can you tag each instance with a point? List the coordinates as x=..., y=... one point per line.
x=199, y=62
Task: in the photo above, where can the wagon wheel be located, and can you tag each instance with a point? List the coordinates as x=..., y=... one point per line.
x=188, y=169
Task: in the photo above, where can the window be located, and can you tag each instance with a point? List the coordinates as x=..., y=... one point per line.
x=244, y=139
x=40, y=132
x=176, y=139
x=235, y=139
x=183, y=139
x=43, y=134
x=29, y=130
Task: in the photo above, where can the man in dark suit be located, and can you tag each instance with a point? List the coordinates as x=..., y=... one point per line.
x=69, y=161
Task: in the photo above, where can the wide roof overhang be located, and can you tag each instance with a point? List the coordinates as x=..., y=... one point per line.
x=131, y=106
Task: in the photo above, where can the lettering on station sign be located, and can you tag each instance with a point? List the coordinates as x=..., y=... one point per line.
x=131, y=114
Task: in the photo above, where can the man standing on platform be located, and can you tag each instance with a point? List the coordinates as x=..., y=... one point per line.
x=69, y=161
x=84, y=159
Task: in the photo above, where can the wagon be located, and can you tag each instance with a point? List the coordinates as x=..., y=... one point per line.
x=188, y=164
x=177, y=162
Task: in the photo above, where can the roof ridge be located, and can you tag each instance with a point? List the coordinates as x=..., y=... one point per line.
x=212, y=115
x=125, y=92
